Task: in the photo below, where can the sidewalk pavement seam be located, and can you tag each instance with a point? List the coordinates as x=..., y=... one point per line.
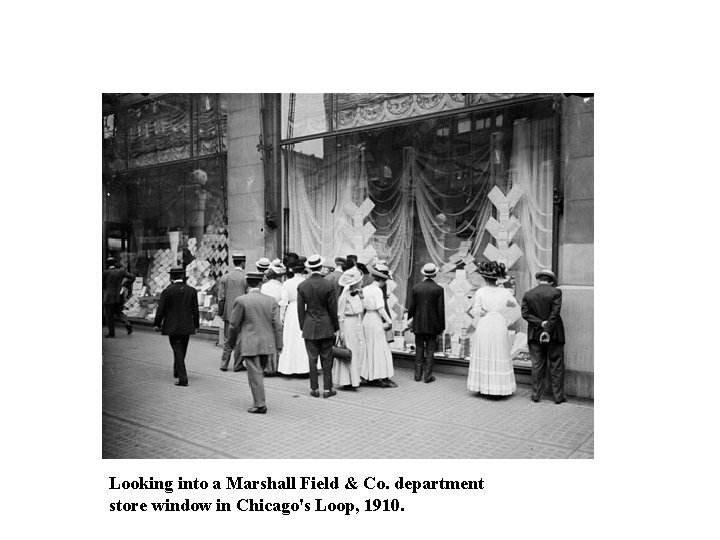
x=166, y=433
x=361, y=407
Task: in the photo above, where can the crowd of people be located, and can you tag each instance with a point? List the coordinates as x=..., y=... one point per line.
x=293, y=318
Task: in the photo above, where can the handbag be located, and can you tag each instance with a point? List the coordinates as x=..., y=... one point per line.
x=340, y=351
x=389, y=333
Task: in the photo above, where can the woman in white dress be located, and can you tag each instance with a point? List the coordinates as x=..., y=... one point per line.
x=273, y=288
x=293, y=358
x=378, y=365
x=346, y=375
x=491, y=370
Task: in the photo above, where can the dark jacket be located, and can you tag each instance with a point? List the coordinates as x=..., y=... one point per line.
x=333, y=278
x=177, y=313
x=540, y=304
x=230, y=287
x=317, y=308
x=427, y=308
x=256, y=319
x=112, y=282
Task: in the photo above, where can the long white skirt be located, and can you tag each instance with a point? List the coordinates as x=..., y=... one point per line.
x=491, y=370
x=293, y=358
x=344, y=372
x=378, y=358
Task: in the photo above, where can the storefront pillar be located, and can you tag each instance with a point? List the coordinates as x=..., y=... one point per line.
x=245, y=178
x=576, y=250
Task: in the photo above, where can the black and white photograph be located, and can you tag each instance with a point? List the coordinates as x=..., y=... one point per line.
x=286, y=305
x=348, y=275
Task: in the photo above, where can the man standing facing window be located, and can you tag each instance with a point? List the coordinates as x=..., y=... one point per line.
x=546, y=335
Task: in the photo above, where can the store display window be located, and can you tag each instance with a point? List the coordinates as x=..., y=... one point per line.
x=164, y=197
x=455, y=190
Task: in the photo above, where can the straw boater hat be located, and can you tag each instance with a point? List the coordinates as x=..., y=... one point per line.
x=276, y=269
x=429, y=270
x=547, y=273
x=350, y=277
x=380, y=270
x=314, y=262
x=492, y=269
x=263, y=264
x=110, y=260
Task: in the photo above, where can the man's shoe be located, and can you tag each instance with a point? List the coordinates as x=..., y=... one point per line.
x=418, y=374
x=242, y=368
x=390, y=383
x=257, y=410
x=329, y=393
x=535, y=399
x=181, y=383
x=129, y=329
x=349, y=387
x=430, y=379
x=563, y=400
x=315, y=393
x=418, y=378
x=223, y=369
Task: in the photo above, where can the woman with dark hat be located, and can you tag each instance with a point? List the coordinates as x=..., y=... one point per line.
x=346, y=374
x=293, y=359
x=491, y=370
x=378, y=365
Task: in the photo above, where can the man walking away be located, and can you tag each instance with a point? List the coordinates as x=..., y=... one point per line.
x=179, y=317
x=255, y=319
x=546, y=335
x=427, y=312
x=317, y=314
x=113, y=298
x=230, y=287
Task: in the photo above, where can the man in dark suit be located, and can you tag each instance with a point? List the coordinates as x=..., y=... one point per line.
x=546, y=335
x=230, y=287
x=112, y=283
x=334, y=276
x=427, y=312
x=317, y=314
x=255, y=319
x=179, y=317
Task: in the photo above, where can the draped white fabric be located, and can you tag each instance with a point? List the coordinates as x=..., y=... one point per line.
x=430, y=202
x=532, y=167
x=319, y=189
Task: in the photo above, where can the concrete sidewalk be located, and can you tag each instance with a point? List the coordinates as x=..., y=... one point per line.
x=146, y=416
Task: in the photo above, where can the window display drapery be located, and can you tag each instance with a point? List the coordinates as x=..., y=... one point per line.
x=448, y=192
x=431, y=202
x=532, y=167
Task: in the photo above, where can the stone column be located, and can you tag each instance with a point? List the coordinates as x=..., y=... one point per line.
x=576, y=265
x=245, y=178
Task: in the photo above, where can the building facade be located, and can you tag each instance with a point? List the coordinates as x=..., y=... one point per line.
x=407, y=178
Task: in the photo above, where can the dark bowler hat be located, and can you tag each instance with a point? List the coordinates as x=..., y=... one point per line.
x=254, y=276
x=547, y=273
x=177, y=272
x=339, y=261
x=237, y=256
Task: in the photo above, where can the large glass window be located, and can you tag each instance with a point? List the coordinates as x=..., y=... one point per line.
x=453, y=191
x=164, y=197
